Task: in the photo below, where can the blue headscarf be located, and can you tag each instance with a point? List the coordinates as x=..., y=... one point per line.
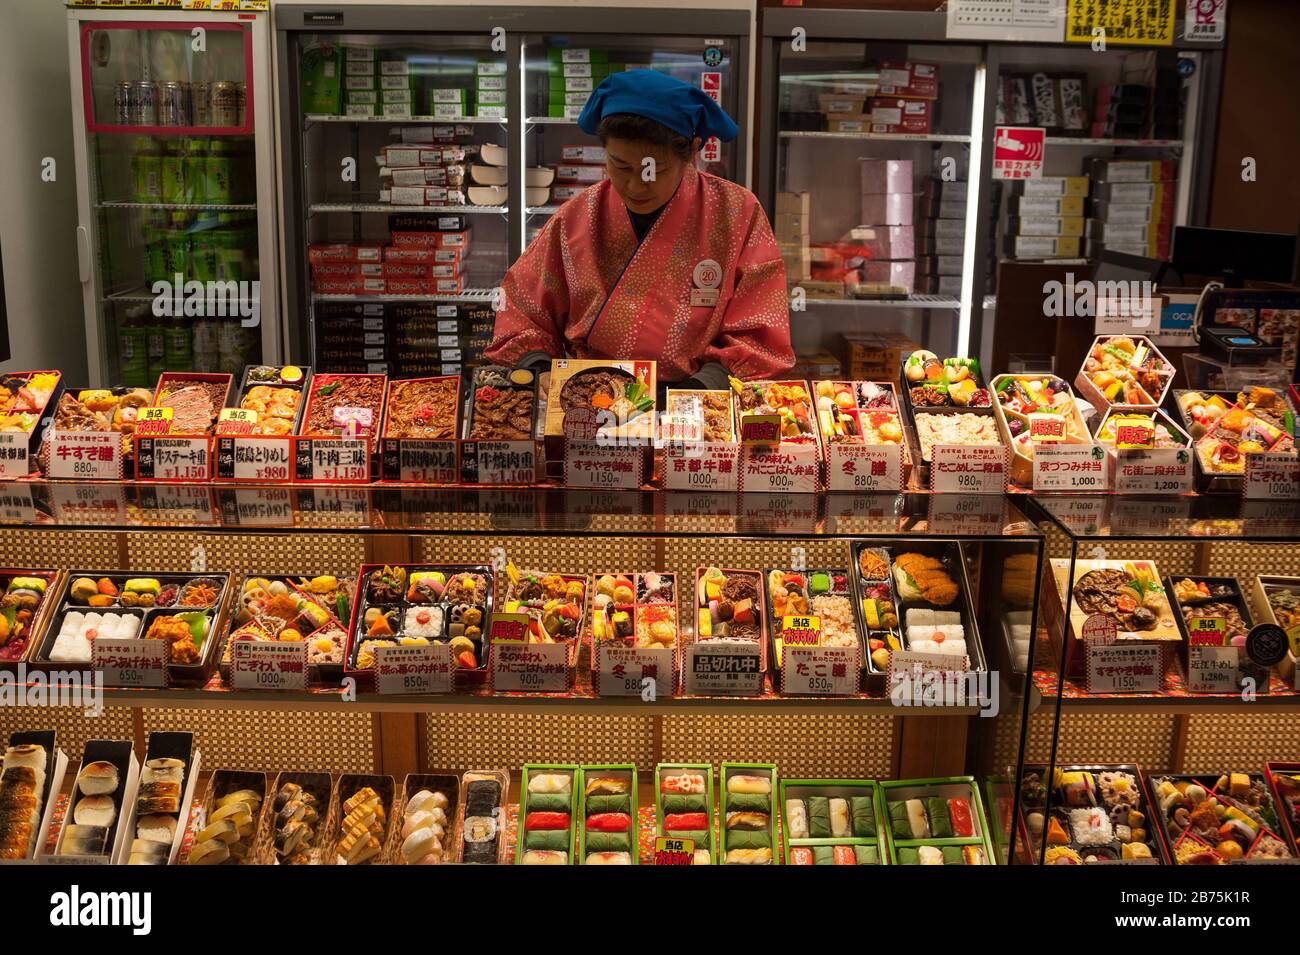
x=683, y=108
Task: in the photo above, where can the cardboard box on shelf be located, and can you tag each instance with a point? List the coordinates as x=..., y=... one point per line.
x=830, y=103
x=1046, y=225
x=939, y=265
x=1052, y=186
x=863, y=85
x=886, y=209
x=911, y=116
x=914, y=80
x=945, y=190
x=871, y=356
x=1132, y=170
x=855, y=125
x=1048, y=205
x=1047, y=247
x=1154, y=193
x=789, y=228
x=896, y=274
x=882, y=176
x=1134, y=213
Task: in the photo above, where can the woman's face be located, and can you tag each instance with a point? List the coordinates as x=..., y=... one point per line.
x=644, y=175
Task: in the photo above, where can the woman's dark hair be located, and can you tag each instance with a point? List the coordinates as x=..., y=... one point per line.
x=639, y=129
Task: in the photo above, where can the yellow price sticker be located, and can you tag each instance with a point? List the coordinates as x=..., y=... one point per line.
x=153, y=421
x=1207, y=632
x=801, y=630
x=673, y=851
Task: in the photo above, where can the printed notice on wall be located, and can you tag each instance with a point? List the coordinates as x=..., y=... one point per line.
x=1025, y=21
x=1136, y=22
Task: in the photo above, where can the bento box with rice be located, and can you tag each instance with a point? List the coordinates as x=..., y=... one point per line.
x=292, y=608
x=610, y=403
x=855, y=416
x=1209, y=820
x=1089, y=814
x=96, y=411
x=825, y=594
x=730, y=610
x=780, y=441
x=1035, y=411
x=27, y=403
x=935, y=822
x=947, y=404
x=274, y=394
x=1124, y=371
x=421, y=423
x=700, y=439
x=346, y=406
x=832, y=822
x=503, y=411
x=556, y=605
x=634, y=632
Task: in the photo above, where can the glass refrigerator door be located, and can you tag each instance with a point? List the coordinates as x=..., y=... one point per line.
x=873, y=161
x=173, y=181
x=403, y=189
x=560, y=73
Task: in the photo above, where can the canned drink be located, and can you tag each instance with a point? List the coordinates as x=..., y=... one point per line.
x=241, y=112
x=156, y=347
x=178, y=345
x=220, y=185
x=144, y=103
x=201, y=103
x=225, y=103
x=174, y=104
x=122, y=103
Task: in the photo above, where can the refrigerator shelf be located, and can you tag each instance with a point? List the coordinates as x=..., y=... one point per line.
x=469, y=295
x=882, y=137
x=224, y=132
x=179, y=206
x=907, y=301
x=405, y=120
x=1146, y=143
x=548, y=210
x=550, y=121
x=385, y=207
x=138, y=293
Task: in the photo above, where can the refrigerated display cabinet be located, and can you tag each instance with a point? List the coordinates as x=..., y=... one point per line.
x=175, y=186
x=355, y=79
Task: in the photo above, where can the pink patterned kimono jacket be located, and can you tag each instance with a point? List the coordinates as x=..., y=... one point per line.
x=586, y=289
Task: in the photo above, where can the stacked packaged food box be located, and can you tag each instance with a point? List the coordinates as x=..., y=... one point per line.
x=794, y=234
x=1048, y=218
x=490, y=89
x=425, y=257
x=1133, y=206
x=376, y=85
x=572, y=74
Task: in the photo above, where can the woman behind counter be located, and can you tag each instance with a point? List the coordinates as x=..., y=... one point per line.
x=672, y=265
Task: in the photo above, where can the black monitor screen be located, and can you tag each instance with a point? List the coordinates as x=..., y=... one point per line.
x=1234, y=254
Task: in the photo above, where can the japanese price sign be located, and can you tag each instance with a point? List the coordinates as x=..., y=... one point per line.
x=1070, y=467
x=498, y=462
x=1272, y=476
x=420, y=669
x=13, y=454
x=1212, y=669
x=864, y=467
x=1018, y=152
x=530, y=667
x=254, y=459
x=1162, y=471
x=624, y=671
x=592, y=464
x=420, y=461
x=1124, y=668
x=785, y=468
x=332, y=460
x=133, y=662
x=702, y=466
x=819, y=671
x=86, y=456
x=268, y=665
x=173, y=458
x=724, y=669
x=968, y=469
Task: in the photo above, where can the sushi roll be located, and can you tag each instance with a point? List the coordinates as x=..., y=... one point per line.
x=480, y=838
x=916, y=820
x=940, y=824
x=482, y=797
x=608, y=858
x=749, y=857
x=796, y=819
x=963, y=824
x=839, y=818
x=823, y=855
x=862, y=811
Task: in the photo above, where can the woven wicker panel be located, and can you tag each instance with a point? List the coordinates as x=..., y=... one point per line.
x=1056, y=543
x=299, y=554
x=156, y=550
x=1143, y=738
x=508, y=740
x=59, y=549
x=1006, y=743
x=1171, y=557
x=73, y=727
x=1217, y=743
x=1244, y=560
x=802, y=746
x=272, y=740
x=577, y=554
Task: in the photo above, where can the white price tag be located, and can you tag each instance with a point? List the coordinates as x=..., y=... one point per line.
x=405, y=670
x=1070, y=467
x=720, y=668
x=1161, y=471
x=530, y=668
x=702, y=466
x=332, y=460
x=864, y=467
x=589, y=464
x=499, y=462
x=784, y=468
x=1212, y=669
x=819, y=671
x=905, y=664
x=1124, y=668
x=173, y=459
x=968, y=469
x=13, y=454
x=1270, y=476
x=242, y=458
x=86, y=456
x=627, y=671
x=426, y=462
x=268, y=665
x=133, y=663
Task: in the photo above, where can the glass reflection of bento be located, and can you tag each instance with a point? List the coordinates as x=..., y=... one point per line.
x=1124, y=371
x=832, y=822
x=418, y=605
x=935, y=822
x=1285, y=781
x=184, y=609
x=748, y=815
x=594, y=398
x=291, y=608
x=274, y=393
x=1036, y=411
x=684, y=807
x=1089, y=814
x=1209, y=820
x=729, y=608
x=556, y=605
x=25, y=610
x=823, y=593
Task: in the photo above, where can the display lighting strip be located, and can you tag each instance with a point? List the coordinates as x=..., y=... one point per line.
x=972, y=214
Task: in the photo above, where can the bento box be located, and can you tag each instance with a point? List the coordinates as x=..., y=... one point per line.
x=31, y=779
x=296, y=827
x=232, y=809
x=97, y=834
x=746, y=792
x=557, y=605
x=860, y=413
x=502, y=407
x=364, y=821
x=1278, y=601
x=26, y=608
x=1128, y=592
x=1089, y=814
x=424, y=820
x=934, y=384
x=341, y=406
x=289, y=607
x=195, y=399
x=934, y=822
x=729, y=608
x=832, y=822
x=548, y=814
x=418, y=604
x=594, y=399
x=1035, y=411
x=1225, y=426
x=481, y=820
x=916, y=598
x=27, y=403
x=823, y=593
x=154, y=823
x=1284, y=778
x=1214, y=599
x=188, y=610
x=633, y=612
x=1208, y=820
x=698, y=415
x=780, y=441
x=423, y=408
x=97, y=411
x=274, y=393
x=684, y=807
x=607, y=826
x=1124, y=371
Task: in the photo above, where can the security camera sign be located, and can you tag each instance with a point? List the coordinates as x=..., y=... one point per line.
x=1018, y=152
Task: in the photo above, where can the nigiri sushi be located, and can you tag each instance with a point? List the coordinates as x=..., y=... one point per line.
x=844, y=855
x=801, y=855
x=840, y=828
x=916, y=819
x=682, y=783
x=929, y=855
x=742, y=783
x=749, y=856
x=549, y=783
x=796, y=819
x=963, y=825
x=609, y=858
x=544, y=857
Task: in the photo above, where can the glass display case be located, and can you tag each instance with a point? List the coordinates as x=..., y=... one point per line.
x=172, y=116
x=1166, y=716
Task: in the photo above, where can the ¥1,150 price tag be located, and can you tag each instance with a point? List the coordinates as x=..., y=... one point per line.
x=1124, y=668
x=268, y=665
x=530, y=668
x=173, y=458
x=413, y=669
x=590, y=464
x=419, y=461
x=132, y=663
x=332, y=460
